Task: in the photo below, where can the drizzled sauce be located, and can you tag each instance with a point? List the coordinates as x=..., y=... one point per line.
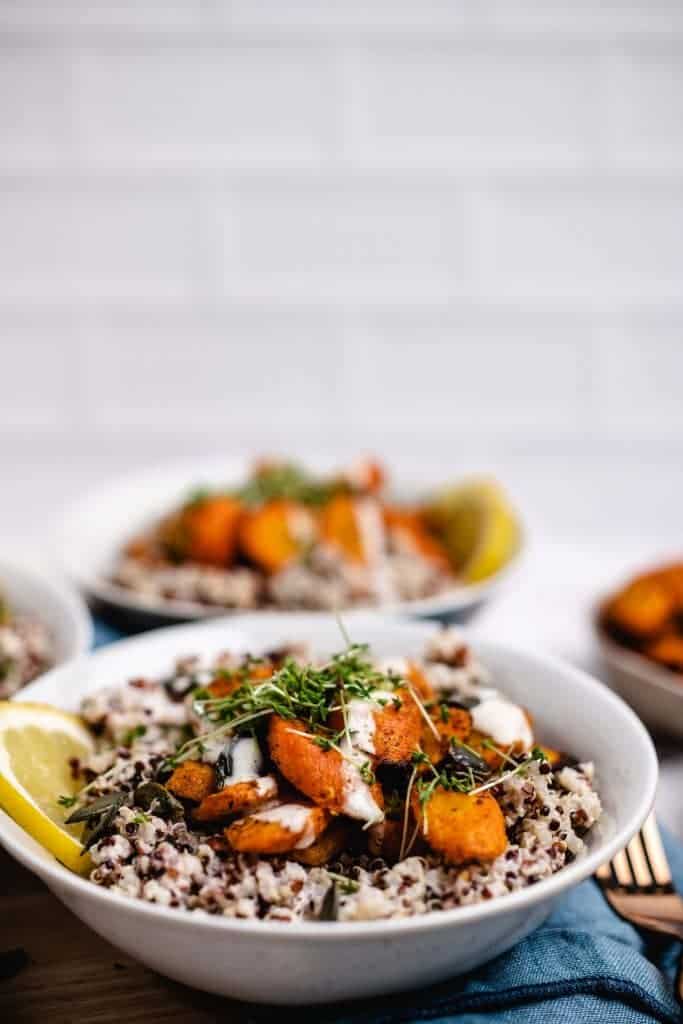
x=505, y=722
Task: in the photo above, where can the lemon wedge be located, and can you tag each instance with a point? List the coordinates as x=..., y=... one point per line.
x=36, y=743
x=477, y=526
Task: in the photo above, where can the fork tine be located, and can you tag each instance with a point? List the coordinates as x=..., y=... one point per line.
x=622, y=868
x=652, y=842
x=639, y=864
x=604, y=872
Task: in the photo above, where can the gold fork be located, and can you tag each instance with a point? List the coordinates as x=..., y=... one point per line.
x=637, y=884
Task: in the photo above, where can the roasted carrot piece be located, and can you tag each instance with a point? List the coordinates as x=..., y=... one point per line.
x=240, y=796
x=453, y=724
x=667, y=650
x=315, y=772
x=398, y=727
x=273, y=834
x=408, y=528
x=227, y=682
x=353, y=525
x=276, y=533
x=418, y=679
x=192, y=780
x=642, y=609
x=204, y=531
x=461, y=826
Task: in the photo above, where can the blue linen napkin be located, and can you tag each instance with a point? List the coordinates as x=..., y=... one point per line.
x=585, y=965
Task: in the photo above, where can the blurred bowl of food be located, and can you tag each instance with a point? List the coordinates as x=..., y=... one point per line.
x=43, y=623
x=203, y=537
x=640, y=634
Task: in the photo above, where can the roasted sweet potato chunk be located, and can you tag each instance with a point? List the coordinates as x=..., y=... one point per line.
x=461, y=826
x=353, y=525
x=398, y=727
x=667, y=650
x=643, y=609
x=192, y=780
x=409, y=532
x=453, y=724
x=204, y=531
x=240, y=796
x=276, y=533
x=227, y=682
x=329, y=845
x=277, y=830
x=418, y=679
x=315, y=772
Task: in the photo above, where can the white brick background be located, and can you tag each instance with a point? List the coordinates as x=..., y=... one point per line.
x=447, y=230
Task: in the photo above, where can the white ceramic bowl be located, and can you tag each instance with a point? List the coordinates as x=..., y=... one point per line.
x=654, y=692
x=42, y=595
x=317, y=962
x=96, y=527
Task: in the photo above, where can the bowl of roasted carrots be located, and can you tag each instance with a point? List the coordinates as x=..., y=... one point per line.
x=206, y=537
x=640, y=633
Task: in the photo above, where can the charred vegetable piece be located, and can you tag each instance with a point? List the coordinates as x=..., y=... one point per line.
x=192, y=780
x=96, y=807
x=385, y=838
x=333, y=841
x=462, y=826
x=245, y=795
x=329, y=908
x=97, y=827
x=276, y=533
x=156, y=799
x=465, y=761
x=277, y=830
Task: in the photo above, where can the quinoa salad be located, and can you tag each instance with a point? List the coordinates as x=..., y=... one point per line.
x=290, y=788
x=26, y=649
x=289, y=539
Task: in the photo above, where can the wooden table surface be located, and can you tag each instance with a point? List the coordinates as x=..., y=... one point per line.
x=54, y=969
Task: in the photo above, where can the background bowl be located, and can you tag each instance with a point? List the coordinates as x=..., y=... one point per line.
x=654, y=692
x=96, y=527
x=315, y=962
x=41, y=595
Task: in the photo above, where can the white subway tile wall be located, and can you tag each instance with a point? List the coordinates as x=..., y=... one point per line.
x=448, y=230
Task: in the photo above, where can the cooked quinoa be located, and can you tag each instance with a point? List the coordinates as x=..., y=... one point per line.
x=158, y=851
x=26, y=650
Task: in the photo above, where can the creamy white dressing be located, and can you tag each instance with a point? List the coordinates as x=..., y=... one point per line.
x=266, y=786
x=371, y=529
x=359, y=802
x=505, y=722
x=295, y=818
x=247, y=760
x=360, y=718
